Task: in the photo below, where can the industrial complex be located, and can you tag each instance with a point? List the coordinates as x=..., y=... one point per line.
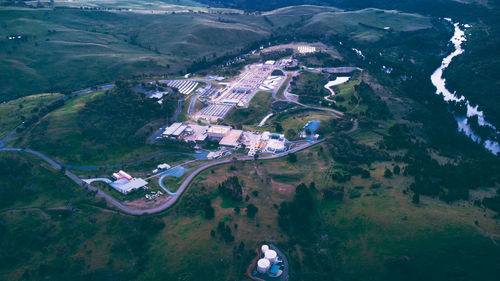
x=271, y=265
x=255, y=77
x=226, y=136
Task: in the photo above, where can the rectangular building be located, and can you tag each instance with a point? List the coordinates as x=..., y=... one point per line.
x=231, y=139
x=171, y=129
x=217, y=133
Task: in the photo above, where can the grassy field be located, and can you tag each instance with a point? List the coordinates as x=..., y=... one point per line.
x=72, y=49
x=346, y=95
x=297, y=121
x=13, y=112
x=365, y=25
x=366, y=234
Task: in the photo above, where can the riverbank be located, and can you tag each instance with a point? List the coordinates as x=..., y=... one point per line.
x=472, y=110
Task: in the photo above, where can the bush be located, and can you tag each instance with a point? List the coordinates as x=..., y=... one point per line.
x=251, y=210
x=334, y=193
x=387, y=173
x=353, y=193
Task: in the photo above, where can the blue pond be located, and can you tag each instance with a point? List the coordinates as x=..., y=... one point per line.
x=313, y=125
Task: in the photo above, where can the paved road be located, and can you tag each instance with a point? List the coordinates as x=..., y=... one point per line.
x=53, y=163
x=6, y=139
x=129, y=210
x=286, y=270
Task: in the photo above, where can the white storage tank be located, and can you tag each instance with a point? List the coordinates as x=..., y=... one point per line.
x=264, y=248
x=271, y=256
x=263, y=265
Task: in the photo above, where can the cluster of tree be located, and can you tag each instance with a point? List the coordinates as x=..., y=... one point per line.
x=341, y=176
x=378, y=109
x=121, y=116
x=251, y=210
x=309, y=85
x=224, y=231
x=334, y=193
x=449, y=181
x=320, y=59
x=21, y=182
x=231, y=188
x=335, y=125
x=398, y=137
x=296, y=217
x=276, y=55
x=345, y=149
x=493, y=202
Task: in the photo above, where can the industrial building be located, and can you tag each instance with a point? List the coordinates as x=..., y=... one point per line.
x=255, y=142
x=306, y=49
x=269, y=264
x=231, y=139
x=125, y=183
x=217, y=133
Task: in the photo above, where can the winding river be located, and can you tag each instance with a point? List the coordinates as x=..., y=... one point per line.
x=440, y=84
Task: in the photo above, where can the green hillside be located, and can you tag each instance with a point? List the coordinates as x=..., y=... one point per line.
x=364, y=25
x=72, y=49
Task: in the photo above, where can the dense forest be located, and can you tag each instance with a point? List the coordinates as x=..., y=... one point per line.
x=120, y=115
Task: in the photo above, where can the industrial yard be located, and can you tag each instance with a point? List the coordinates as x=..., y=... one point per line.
x=239, y=92
x=226, y=136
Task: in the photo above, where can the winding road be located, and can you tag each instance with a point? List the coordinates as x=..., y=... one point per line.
x=185, y=184
x=132, y=211
x=286, y=94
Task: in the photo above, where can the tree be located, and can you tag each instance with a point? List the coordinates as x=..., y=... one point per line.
x=279, y=128
x=365, y=174
x=396, y=170
x=416, y=198
x=292, y=157
x=209, y=212
x=387, y=173
x=251, y=210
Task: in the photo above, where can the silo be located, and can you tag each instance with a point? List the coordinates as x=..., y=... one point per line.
x=271, y=256
x=263, y=265
x=264, y=248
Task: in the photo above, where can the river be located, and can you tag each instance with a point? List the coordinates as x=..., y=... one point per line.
x=440, y=84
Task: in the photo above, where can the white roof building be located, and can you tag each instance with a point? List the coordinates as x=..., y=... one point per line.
x=171, y=129
x=231, y=139
x=179, y=131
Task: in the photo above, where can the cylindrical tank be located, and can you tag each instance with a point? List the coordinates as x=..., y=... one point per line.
x=271, y=256
x=264, y=248
x=263, y=265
